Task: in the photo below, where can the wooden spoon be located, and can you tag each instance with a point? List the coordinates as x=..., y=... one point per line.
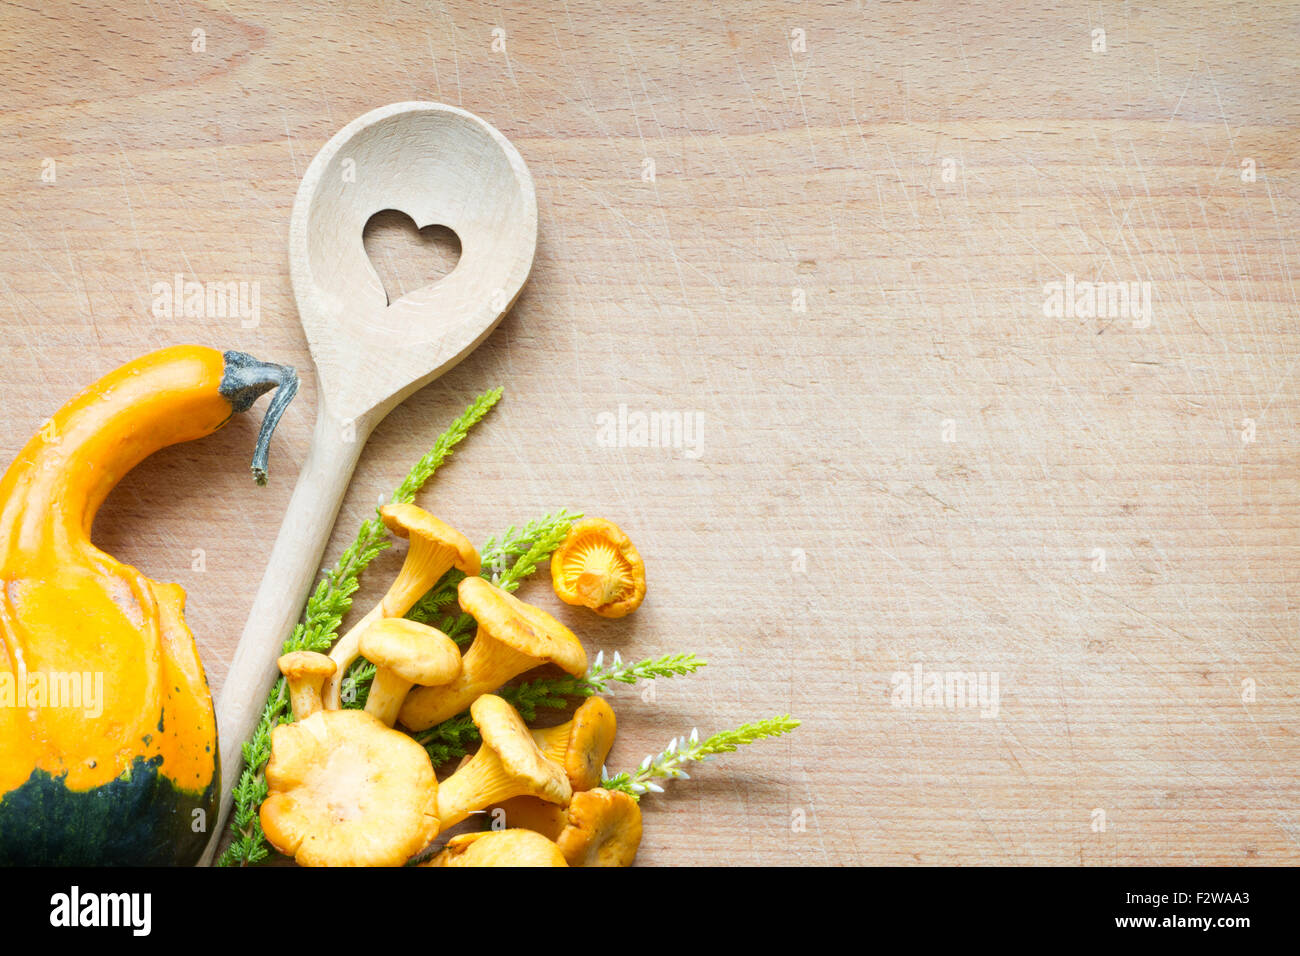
x=439, y=165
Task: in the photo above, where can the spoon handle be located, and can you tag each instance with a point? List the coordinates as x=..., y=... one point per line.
x=290, y=573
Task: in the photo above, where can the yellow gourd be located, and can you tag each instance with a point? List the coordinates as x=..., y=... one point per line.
x=131, y=777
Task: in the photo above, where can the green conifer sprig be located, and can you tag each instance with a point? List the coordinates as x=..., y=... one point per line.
x=667, y=764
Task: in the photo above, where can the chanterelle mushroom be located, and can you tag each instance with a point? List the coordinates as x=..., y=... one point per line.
x=580, y=747
x=513, y=637
x=597, y=566
x=508, y=764
x=435, y=549
x=347, y=791
x=604, y=829
x=499, y=848
x=305, y=671
x=405, y=653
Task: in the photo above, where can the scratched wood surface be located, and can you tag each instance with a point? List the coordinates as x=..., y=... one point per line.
x=827, y=234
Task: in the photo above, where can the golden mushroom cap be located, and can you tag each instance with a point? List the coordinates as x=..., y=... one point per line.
x=527, y=629
x=345, y=790
x=414, y=651
x=604, y=829
x=411, y=521
x=598, y=566
x=504, y=731
x=590, y=740
x=499, y=848
x=306, y=664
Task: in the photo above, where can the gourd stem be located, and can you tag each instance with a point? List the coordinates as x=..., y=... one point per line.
x=244, y=381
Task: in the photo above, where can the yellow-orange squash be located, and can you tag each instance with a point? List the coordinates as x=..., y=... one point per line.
x=108, y=752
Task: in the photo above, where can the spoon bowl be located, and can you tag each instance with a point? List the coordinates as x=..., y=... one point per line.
x=439, y=165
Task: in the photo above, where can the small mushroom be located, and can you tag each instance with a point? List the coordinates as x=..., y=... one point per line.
x=581, y=745
x=597, y=566
x=499, y=848
x=508, y=764
x=305, y=671
x=405, y=653
x=604, y=829
x=434, y=550
x=512, y=637
x=347, y=791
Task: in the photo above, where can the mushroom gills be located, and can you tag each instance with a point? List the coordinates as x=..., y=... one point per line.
x=598, y=567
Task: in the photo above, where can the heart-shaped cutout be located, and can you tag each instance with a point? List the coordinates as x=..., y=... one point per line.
x=407, y=258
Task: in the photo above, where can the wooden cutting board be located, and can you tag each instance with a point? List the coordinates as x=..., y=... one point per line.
x=828, y=237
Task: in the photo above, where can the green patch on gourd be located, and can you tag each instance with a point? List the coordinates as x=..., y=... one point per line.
x=140, y=819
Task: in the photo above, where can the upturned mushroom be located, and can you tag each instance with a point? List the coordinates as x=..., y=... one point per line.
x=435, y=549
x=499, y=848
x=405, y=653
x=347, y=791
x=604, y=829
x=306, y=672
x=508, y=764
x=512, y=637
x=597, y=566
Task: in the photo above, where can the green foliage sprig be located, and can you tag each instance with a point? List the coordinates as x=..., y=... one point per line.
x=667, y=764
x=322, y=616
x=599, y=677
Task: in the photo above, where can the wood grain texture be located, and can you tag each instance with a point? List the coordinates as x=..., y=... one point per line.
x=776, y=169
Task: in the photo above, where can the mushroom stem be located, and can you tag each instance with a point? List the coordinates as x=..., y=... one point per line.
x=387, y=691
x=304, y=697
x=481, y=782
x=429, y=561
x=596, y=587
x=344, y=653
x=486, y=666
x=529, y=813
